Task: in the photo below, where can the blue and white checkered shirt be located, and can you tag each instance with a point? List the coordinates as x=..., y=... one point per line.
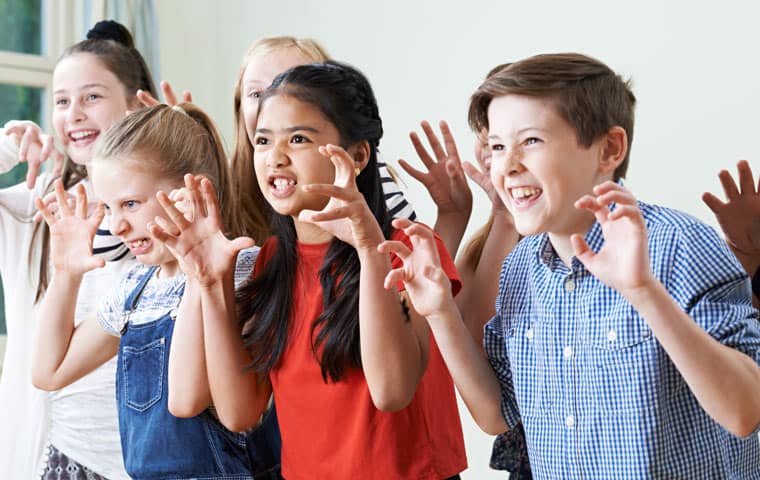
x=597, y=394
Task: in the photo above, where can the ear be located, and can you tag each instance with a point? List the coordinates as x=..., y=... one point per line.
x=614, y=147
x=360, y=152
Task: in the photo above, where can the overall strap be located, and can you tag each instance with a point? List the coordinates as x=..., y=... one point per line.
x=134, y=297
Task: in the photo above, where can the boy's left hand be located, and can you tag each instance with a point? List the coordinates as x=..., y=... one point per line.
x=623, y=261
x=347, y=215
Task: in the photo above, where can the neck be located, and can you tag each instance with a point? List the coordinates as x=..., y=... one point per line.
x=307, y=232
x=561, y=240
x=167, y=270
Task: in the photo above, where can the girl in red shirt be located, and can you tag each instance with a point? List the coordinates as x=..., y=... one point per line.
x=359, y=384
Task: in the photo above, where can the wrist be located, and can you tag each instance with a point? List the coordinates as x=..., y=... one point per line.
x=644, y=292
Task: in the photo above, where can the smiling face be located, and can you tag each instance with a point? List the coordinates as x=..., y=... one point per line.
x=538, y=168
x=258, y=75
x=286, y=154
x=129, y=195
x=88, y=99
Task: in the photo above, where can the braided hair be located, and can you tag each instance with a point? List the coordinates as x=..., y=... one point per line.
x=344, y=96
x=113, y=46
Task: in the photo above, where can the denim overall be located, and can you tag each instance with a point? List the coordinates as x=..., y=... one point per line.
x=157, y=444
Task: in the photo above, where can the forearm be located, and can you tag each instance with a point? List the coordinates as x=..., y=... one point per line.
x=393, y=356
x=189, y=392
x=724, y=380
x=472, y=373
x=451, y=227
x=239, y=395
x=476, y=300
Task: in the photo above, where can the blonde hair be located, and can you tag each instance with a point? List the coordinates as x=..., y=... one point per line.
x=168, y=142
x=251, y=218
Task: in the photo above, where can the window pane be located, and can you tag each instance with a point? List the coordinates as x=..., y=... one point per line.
x=17, y=103
x=21, y=26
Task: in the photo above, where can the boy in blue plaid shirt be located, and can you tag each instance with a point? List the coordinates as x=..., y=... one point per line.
x=624, y=336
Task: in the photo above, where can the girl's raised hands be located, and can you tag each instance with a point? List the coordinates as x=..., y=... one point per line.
x=426, y=283
x=347, y=215
x=34, y=148
x=195, y=237
x=72, y=232
x=171, y=98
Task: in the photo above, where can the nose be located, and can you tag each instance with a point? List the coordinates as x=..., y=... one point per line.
x=75, y=112
x=117, y=224
x=278, y=156
x=514, y=160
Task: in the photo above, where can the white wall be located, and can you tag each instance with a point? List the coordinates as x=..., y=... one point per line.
x=695, y=68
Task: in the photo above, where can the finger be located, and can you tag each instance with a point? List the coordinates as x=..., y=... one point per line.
x=616, y=196
x=344, y=164
x=58, y=157
x=43, y=210
x=174, y=216
x=241, y=243
x=416, y=174
x=327, y=190
x=435, y=144
x=393, y=278
x=97, y=216
x=608, y=186
x=397, y=248
x=746, y=183
x=147, y=99
x=60, y=196
x=712, y=202
x=325, y=216
x=417, y=231
x=168, y=91
x=211, y=202
x=401, y=223
x=187, y=97
x=80, y=207
x=581, y=249
x=451, y=145
x=630, y=212
x=588, y=202
x=91, y=263
x=31, y=174
x=166, y=226
x=729, y=186
x=427, y=160
x=160, y=235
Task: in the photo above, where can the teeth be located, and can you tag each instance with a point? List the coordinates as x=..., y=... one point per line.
x=82, y=134
x=283, y=183
x=524, y=192
x=139, y=243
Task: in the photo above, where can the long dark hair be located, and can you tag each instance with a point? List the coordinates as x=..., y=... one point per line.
x=344, y=96
x=112, y=44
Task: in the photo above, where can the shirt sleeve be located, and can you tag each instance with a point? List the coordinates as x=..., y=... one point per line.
x=496, y=349
x=713, y=289
x=8, y=152
x=447, y=264
x=246, y=260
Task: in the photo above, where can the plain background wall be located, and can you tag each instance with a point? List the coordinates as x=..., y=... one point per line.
x=695, y=70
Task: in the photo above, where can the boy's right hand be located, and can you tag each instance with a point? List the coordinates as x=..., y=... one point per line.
x=72, y=232
x=34, y=147
x=195, y=238
x=427, y=285
x=739, y=216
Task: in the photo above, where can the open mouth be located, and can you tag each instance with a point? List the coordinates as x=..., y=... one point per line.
x=83, y=137
x=282, y=186
x=139, y=247
x=523, y=196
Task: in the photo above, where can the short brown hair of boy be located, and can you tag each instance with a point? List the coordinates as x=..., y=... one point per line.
x=588, y=95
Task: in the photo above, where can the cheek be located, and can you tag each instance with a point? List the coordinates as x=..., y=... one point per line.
x=250, y=118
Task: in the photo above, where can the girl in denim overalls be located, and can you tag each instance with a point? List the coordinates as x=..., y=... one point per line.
x=139, y=158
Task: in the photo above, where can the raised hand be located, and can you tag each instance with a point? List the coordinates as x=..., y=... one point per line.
x=739, y=216
x=481, y=174
x=198, y=244
x=34, y=147
x=623, y=261
x=171, y=98
x=445, y=180
x=346, y=216
x=72, y=232
x=426, y=283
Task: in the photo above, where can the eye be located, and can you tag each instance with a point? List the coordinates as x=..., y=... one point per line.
x=496, y=147
x=92, y=97
x=531, y=141
x=130, y=204
x=261, y=141
x=299, y=139
x=61, y=101
x=254, y=94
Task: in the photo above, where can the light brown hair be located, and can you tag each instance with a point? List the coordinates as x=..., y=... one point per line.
x=168, y=142
x=250, y=218
x=586, y=93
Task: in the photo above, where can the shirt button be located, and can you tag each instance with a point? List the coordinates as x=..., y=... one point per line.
x=612, y=335
x=569, y=285
x=529, y=334
x=570, y=421
x=568, y=352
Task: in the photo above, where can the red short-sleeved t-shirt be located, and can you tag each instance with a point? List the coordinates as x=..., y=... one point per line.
x=333, y=430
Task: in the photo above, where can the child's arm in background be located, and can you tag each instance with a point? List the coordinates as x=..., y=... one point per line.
x=724, y=380
x=63, y=354
x=430, y=292
x=445, y=182
x=208, y=258
x=34, y=147
x=739, y=217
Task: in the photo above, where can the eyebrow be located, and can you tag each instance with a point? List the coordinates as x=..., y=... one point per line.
x=83, y=87
x=522, y=130
x=297, y=128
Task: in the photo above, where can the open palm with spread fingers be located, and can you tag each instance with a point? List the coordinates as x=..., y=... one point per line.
x=445, y=179
x=34, y=147
x=171, y=98
x=426, y=283
x=739, y=216
x=623, y=261
x=346, y=215
x=197, y=240
x=72, y=232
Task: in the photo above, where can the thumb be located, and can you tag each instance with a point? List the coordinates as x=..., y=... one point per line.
x=241, y=243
